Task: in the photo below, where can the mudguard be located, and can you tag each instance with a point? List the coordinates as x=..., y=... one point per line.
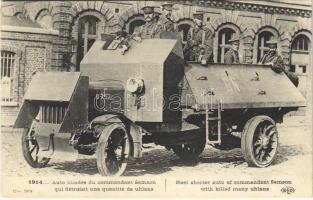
x=54, y=114
x=133, y=130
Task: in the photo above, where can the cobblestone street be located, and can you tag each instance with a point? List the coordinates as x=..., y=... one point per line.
x=295, y=152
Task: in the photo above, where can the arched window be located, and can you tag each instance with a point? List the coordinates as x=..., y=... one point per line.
x=183, y=28
x=300, y=57
x=224, y=35
x=300, y=60
x=19, y=15
x=44, y=19
x=300, y=44
x=87, y=34
x=262, y=43
x=7, y=70
x=134, y=22
x=260, y=46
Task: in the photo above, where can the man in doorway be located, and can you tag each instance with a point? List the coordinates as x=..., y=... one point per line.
x=273, y=59
x=232, y=56
x=199, y=46
x=151, y=29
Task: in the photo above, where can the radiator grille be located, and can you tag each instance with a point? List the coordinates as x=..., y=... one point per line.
x=52, y=113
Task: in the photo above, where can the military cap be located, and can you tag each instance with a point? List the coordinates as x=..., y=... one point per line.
x=234, y=38
x=198, y=16
x=148, y=9
x=167, y=6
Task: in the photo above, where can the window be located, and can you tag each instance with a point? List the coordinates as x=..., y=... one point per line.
x=7, y=70
x=300, y=44
x=262, y=46
x=184, y=29
x=87, y=34
x=44, y=19
x=134, y=24
x=300, y=54
x=19, y=15
x=224, y=36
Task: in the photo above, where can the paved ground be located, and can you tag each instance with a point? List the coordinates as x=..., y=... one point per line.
x=294, y=153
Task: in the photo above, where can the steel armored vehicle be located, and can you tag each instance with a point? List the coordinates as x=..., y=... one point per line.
x=116, y=103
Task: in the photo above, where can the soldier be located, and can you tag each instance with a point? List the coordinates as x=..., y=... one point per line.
x=276, y=61
x=199, y=45
x=272, y=58
x=166, y=22
x=151, y=29
x=231, y=56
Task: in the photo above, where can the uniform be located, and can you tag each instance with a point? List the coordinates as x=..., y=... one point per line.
x=167, y=24
x=275, y=60
x=277, y=64
x=231, y=57
x=199, y=45
x=151, y=29
x=148, y=30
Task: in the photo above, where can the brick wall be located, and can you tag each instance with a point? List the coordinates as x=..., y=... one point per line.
x=33, y=53
x=248, y=18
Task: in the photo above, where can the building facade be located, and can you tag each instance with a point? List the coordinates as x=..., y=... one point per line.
x=67, y=29
x=26, y=48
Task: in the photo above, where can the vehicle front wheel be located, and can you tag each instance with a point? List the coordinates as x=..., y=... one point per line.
x=31, y=149
x=113, y=150
x=259, y=141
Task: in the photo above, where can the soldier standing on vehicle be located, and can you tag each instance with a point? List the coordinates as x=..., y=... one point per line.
x=151, y=29
x=166, y=22
x=232, y=56
x=273, y=59
x=199, y=46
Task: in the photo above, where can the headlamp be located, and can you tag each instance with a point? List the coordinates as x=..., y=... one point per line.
x=134, y=85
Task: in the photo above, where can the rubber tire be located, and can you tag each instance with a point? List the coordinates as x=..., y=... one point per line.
x=102, y=145
x=189, y=155
x=247, y=140
x=29, y=159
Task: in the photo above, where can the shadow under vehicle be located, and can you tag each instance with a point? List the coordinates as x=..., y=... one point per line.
x=116, y=103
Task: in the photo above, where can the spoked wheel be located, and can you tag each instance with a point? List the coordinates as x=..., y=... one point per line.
x=189, y=152
x=31, y=149
x=113, y=150
x=259, y=142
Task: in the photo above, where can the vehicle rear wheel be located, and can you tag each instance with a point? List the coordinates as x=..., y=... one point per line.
x=31, y=149
x=259, y=141
x=113, y=150
x=189, y=152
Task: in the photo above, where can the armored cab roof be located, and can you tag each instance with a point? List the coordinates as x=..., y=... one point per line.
x=152, y=50
x=157, y=62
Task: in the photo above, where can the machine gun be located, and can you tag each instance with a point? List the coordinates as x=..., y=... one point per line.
x=119, y=40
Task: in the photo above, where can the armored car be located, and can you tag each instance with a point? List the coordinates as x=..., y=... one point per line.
x=150, y=94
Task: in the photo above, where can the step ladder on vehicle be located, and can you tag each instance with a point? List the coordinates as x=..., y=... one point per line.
x=213, y=115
